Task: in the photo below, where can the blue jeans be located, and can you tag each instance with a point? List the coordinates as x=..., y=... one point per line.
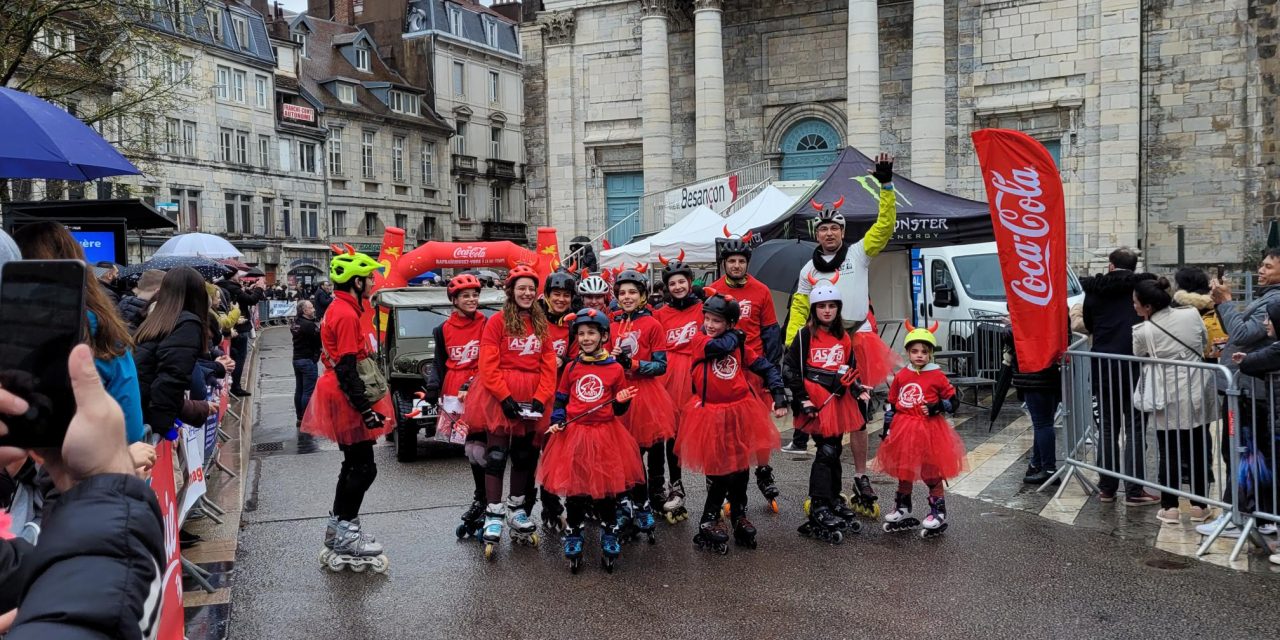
x=1042, y=405
x=305, y=373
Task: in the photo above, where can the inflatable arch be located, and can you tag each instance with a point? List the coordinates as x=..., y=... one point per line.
x=402, y=267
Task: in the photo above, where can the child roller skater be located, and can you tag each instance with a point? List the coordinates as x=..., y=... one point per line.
x=346, y=411
x=821, y=371
x=921, y=445
x=680, y=319
x=725, y=428
x=456, y=362
x=590, y=457
x=509, y=402
x=640, y=347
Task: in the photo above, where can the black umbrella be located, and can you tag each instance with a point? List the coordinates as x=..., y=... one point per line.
x=777, y=263
x=1004, y=380
x=210, y=269
x=255, y=272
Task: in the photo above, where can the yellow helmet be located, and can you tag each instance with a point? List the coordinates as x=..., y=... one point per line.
x=921, y=334
x=350, y=264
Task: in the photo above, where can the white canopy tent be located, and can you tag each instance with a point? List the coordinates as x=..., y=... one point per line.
x=700, y=246
x=697, y=223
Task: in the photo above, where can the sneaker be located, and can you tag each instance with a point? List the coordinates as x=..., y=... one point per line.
x=1036, y=475
x=1201, y=514
x=240, y=393
x=1274, y=558
x=791, y=448
x=1268, y=529
x=1142, y=499
x=1208, y=528
x=1106, y=496
x=1169, y=516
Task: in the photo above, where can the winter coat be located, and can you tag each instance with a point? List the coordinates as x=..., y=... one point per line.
x=1203, y=304
x=1108, y=310
x=1246, y=333
x=1264, y=363
x=245, y=299
x=322, y=300
x=132, y=310
x=164, y=370
x=120, y=378
x=1184, y=396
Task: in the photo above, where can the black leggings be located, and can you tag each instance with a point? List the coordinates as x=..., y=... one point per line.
x=655, y=457
x=355, y=478
x=825, y=474
x=1184, y=459
x=577, y=506
x=673, y=461
x=732, y=486
x=524, y=459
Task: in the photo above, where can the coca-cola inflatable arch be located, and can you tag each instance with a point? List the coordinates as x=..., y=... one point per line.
x=403, y=267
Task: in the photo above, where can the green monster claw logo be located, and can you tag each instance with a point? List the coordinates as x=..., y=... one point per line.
x=868, y=185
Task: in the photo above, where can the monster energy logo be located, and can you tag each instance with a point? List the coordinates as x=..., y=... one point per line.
x=873, y=188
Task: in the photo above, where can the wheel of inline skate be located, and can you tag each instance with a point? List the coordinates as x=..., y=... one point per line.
x=847, y=500
x=575, y=565
x=808, y=502
x=380, y=564
x=358, y=567
x=607, y=564
x=490, y=550
x=888, y=528
x=671, y=517
x=462, y=531
x=324, y=556
x=773, y=505
x=335, y=563
x=534, y=540
x=875, y=510
x=855, y=526
x=837, y=537
x=652, y=539
x=722, y=548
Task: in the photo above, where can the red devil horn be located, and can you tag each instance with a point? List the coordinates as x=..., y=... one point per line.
x=351, y=251
x=812, y=280
x=836, y=277
x=591, y=313
x=933, y=328
x=726, y=232
x=663, y=260
x=606, y=244
x=817, y=206
x=642, y=268
x=336, y=249
x=710, y=291
x=838, y=203
x=747, y=238
x=910, y=327
x=681, y=258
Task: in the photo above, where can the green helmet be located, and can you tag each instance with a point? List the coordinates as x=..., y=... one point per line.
x=351, y=264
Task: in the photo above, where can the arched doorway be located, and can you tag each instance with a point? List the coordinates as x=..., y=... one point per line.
x=808, y=148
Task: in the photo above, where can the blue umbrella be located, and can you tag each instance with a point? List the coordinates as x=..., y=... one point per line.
x=43, y=141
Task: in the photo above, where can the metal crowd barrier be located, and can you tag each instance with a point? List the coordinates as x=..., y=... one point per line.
x=1165, y=425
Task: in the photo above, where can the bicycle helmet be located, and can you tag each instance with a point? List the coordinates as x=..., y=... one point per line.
x=824, y=290
x=920, y=334
x=588, y=317
x=731, y=246
x=462, y=282
x=559, y=280
x=593, y=286
x=349, y=264
x=521, y=271
x=634, y=276
x=676, y=267
x=829, y=213
x=722, y=305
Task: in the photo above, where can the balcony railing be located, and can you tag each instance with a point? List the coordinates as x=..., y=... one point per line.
x=500, y=170
x=465, y=165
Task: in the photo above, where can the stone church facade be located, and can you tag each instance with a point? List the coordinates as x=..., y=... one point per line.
x=1159, y=112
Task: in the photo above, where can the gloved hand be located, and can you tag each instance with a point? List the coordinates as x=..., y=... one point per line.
x=432, y=396
x=372, y=419
x=537, y=406
x=808, y=408
x=949, y=405
x=888, y=422
x=779, y=398
x=884, y=169
x=510, y=408
x=933, y=408
x=624, y=359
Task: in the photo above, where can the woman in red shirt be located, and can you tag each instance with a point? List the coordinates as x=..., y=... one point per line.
x=517, y=379
x=680, y=319
x=557, y=298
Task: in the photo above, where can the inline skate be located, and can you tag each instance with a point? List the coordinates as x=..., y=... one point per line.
x=355, y=550
x=673, y=509
x=768, y=488
x=573, y=550
x=712, y=534
x=330, y=532
x=472, y=521
x=847, y=516
x=644, y=522
x=610, y=548
x=864, y=500
x=492, y=535
x=553, y=521
x=900, y=519
x=624, y=522
x=936, y=522
x=523, y=530
x=823, y=524
x=744, y=533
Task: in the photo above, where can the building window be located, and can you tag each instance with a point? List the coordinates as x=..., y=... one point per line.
x=242, y=147
x=264, y=152
x=366, y=154
x=238, y=79
x=371, y=224
x=346, y=93
x=286, y=153
x=189, y=139
x=178, y=70
x=402, y=221
x=286, y=218
x=335, y=151
x=397, y=158
x=224, y=143
x=310, y=219
x=429, y=228
x=495, y=85
x=242, y=31
x=337, y=222
x=362, y=57
x=428, y=163
x=301, y=39
x=464, y=208
x=214, y=18
x=260, y=84
x=307, y=157
x=495, y=142
x=460, y=138
x=172, y=131
x=235, y=223
x=188, y=203
x=246, y=214
x=459, y=79
x=224, y=82
x=401, y=102
x=268, y=220
x=497, y=202
x=455, y=21
x=491, y=32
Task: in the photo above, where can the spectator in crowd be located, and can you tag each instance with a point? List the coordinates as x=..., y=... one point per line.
x=235, y=294
x=170, y=341
x=1193, y=292
x=1109, y=317
x=323, y=297
x=306, y=356
x=106, y=273
x=1042, y=393
x=133, y=307
x=1260, y=438
x=228, y=315
x=97, y=570
x=1180, y=401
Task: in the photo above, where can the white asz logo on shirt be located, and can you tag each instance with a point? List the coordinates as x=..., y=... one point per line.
x=465, y=354
x=560, y=346
x=745, y=307
x=827, y=357
x=529, y=345
x=725, y=368
x=682, y=335
x=589, y=388
x=912, y=394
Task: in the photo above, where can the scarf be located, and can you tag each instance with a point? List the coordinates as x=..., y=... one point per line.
x=822, y=265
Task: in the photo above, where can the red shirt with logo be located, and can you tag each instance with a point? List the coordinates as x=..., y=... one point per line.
x=588, y=385
x=639, y=336
x=525, y=352
x=462, y=342
x=756, y=303
x=680, y=326
x=558, y=334
x=911, y=390
x=724, y=379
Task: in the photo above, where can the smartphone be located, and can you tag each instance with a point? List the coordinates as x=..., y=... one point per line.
x=41, y=319
x=1221, y=273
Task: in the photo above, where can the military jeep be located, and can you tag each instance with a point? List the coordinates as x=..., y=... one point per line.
x=407, y=350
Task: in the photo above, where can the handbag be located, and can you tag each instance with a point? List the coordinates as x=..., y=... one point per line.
x=1150, y=394
x=375, y=384
x=1196, y=353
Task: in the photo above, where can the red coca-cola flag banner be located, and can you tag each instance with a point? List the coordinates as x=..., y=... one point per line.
x=171, y=626
x=1029, y=215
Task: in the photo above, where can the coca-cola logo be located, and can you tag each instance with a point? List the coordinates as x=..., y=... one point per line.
x=465, y=354
x=469, y=252
x=1019, y=207
x=681, y=335
x=827, y=357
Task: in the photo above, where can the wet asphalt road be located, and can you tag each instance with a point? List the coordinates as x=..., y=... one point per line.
x=996, y=573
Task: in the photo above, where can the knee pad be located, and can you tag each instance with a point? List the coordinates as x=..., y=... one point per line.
x=495, y=461
x=524, y=458
x=828, y=453
x=474, y=451
x=362, y=474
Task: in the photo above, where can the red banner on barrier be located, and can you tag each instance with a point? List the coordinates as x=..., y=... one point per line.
x=171, y=614
x=1028, y=212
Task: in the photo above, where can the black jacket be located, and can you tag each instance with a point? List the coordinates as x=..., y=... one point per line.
x=164, y=370
x=246, y=299
x=100, y=556
x=1108, y=310
x=306, y=339
x=111, y=294
x=132, y=310
x=322, y=300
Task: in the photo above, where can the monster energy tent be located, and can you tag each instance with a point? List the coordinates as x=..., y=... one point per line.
x=926, y=218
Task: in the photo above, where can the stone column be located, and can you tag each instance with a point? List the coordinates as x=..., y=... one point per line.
x=655, y=84
x=928, y=95
x=863, y=64
x=561, y=181
x=708, y=68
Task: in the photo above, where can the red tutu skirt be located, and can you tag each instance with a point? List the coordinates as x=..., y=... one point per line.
x=921, y=448
x=591, y=459
x=839, y=416
x=876, y=361
x=484, y=411
x=454, y=379
x=651, y=418
x=330, y=415
x=722, y=438
x=678, y=380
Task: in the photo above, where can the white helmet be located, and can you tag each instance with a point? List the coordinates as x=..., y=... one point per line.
x=593, y=286
x=824, y=290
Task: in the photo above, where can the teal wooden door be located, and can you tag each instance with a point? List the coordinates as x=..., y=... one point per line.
x=622, y=199
x=808, y=148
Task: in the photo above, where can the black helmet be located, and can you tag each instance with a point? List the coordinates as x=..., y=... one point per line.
x=724, y=306
x=634, y=276
x=560, y=280
x=675, y=267
x=729, y=246
x=598, y=319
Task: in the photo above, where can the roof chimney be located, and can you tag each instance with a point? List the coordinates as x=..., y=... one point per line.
x=509, y=9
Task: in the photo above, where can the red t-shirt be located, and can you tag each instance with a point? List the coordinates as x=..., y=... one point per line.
x=911, y=390
x=726, y=377
x=341, y=332
x=756, y=303
x=826, y=352
x=641, y=338
x=558, y=334
x=523, y=353
x=462, y=342
x=680, y=326
x=588, y=385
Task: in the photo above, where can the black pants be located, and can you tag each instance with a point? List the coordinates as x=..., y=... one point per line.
x=654, y=457
x=1113, y=385
x=355, y=478
x=825, y=474
x=239, y=350
x=1184, y=459
x=673, y=461
x=732, y=486
x=576, y=511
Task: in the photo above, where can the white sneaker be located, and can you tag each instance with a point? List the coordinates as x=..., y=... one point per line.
x=791, y=448
x=1268, y=529
x=1208, y=528
x=1275, y=558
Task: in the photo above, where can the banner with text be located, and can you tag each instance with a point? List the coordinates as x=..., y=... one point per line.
x=717, y=193
x=1024, y=192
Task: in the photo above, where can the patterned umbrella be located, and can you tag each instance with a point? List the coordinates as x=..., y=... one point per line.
x=207, y=268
